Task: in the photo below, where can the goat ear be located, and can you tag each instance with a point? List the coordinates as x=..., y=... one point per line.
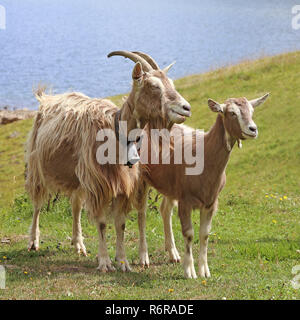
x=137, y=72
x=258, y=101
x=166, y=69
x=215, y=106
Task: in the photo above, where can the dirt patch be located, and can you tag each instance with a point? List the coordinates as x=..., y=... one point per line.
x=9, y=116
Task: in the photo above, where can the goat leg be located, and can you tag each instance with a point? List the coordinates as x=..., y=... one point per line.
x=34, y=235
x=77, y=239
x=205, y=226
x=166, y=210
x=141, y=204
x=184, y=212
x=105, y=264
x=120, y=250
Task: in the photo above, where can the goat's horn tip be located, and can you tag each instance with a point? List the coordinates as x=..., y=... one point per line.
x=113, y=53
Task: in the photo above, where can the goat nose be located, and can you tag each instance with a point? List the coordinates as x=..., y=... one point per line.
x=186, y=107
x=253, y=128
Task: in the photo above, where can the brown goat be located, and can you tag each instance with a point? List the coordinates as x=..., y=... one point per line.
x=233, y=124
x=61, y=150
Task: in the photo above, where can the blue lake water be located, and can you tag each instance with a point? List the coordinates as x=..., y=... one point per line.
x=64, y=43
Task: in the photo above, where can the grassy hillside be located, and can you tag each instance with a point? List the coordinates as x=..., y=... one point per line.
x=255, y=238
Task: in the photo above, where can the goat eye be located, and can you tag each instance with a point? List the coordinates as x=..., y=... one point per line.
x=233, y=114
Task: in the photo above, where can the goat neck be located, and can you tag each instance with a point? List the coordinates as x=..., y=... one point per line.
x=218, y=146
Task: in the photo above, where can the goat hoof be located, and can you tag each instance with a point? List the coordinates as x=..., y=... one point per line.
x=123, y=265
x=105, y=266
x=33, y=246
x=204, y=274
x=190, y=275
x=105, y=269
x=82, y=252
x=79, y=247
x=145, y=265
x=144, y=260
x=189, y=271
x=204, y=271
x=174, y=255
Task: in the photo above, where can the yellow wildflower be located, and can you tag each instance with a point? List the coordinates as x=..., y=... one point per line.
x=204, y=282
x=171, y=290
x=274, y=221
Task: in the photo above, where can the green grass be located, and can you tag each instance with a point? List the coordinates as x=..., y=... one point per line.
x=254, y=240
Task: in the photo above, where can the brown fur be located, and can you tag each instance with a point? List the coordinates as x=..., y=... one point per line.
x=200, y=190
x=196, y=191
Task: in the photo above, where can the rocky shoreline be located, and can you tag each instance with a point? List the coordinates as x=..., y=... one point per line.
x=8, y=115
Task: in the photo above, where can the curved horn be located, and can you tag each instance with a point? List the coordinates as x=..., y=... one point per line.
x=150, y=60
x=132, y=56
